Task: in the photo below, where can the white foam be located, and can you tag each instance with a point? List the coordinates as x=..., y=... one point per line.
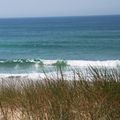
x=73, y=63
x=85, y=63
x=108, y=63
x=28, y=76
x=37, y=76
x=80, y=63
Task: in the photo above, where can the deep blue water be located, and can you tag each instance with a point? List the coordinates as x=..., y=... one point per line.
x=69, y=38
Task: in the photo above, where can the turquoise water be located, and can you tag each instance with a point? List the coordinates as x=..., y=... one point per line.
x=69, y=38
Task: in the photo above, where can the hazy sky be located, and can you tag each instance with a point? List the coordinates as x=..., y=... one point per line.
x=38, y=8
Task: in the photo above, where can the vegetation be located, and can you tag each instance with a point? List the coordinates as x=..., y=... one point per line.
x=60, y=66
x=93, y=98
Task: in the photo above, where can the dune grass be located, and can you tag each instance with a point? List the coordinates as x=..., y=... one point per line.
x=97, y=98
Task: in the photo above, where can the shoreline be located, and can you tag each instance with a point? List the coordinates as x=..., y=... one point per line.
x=36, y=69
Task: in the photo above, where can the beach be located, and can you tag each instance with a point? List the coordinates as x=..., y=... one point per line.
x=60, y=68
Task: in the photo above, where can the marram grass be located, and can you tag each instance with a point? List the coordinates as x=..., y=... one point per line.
x=50, y=99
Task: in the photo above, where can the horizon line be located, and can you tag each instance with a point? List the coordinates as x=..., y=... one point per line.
x=21, y=17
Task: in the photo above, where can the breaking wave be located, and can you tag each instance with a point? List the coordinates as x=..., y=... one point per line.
x=33, y=68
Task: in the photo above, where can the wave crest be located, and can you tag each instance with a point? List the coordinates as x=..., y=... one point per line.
x=80, y=63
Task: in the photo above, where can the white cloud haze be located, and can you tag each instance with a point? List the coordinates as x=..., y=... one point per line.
x=38, y=8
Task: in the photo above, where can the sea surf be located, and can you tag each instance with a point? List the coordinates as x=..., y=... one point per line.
x=29, y=45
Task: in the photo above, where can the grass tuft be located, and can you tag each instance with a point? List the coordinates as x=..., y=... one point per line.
x=97, y=98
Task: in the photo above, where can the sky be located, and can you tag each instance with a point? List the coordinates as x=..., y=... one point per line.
x=46, y=8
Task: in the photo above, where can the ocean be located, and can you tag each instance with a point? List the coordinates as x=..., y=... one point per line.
x=80, y=41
